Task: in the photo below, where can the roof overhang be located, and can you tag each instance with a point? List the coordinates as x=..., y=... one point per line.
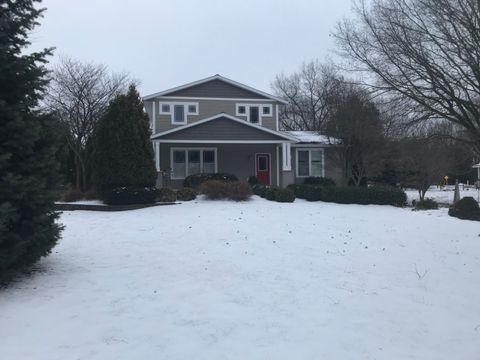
x=215, y=77
x=284, y=137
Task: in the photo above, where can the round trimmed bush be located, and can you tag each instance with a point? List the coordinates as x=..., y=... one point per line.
x=166, y=195
x=466, y=208
x=320, y=181
x=186, y=194
x=284, y=195
x=269, y=194
x=426, y=204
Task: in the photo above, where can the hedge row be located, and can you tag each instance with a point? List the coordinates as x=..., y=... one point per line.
x=351, y=195
x=232, y=190
x=147, y=195
x=194, y=181
x=274, y=194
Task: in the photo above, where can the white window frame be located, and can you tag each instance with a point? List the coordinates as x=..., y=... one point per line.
x=309, y=161
x=186, y=149
x=186, y=113
x=260, y=111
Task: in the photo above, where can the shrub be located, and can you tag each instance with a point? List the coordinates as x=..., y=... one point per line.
x=166, y=195
x=72, y=194
x=186, y=194
x=320, y=181
x=353, y=195
x=129, y=196
x=426, y=204
x=284, y=195
x=252, y=180
x=214, y=189
x=466, y=208
x=239, y=190
x=258, y=189
x=235, y=190
x=194, y=181
x=269, y=193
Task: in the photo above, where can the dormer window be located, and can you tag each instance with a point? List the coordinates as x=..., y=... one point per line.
x=178, y=111
x=254, y=112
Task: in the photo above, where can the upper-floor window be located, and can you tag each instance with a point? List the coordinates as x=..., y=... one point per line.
x=254, y=112
x=178, y=111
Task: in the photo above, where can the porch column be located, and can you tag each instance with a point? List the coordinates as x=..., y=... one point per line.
x=157, y=155
x=286, y=157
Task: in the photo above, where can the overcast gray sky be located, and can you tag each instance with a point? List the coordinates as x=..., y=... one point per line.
x=169, y=43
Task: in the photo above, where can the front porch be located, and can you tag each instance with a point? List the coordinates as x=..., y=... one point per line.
x=175, y=161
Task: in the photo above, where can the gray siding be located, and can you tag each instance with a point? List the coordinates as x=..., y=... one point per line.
x=217, y=89
x=332, y=169
x=237, y=159
x=206, y=109
x=221, y=129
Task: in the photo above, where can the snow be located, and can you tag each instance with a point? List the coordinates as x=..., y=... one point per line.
x=255, y=280
x=312, y=137
x=442, y=195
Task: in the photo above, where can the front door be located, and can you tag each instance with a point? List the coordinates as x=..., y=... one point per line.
x=262, y=164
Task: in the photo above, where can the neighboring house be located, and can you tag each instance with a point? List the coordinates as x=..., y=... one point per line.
x=219, y=125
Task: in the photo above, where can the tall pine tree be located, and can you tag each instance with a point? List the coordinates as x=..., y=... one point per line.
x=28, y=177
x=123, y=149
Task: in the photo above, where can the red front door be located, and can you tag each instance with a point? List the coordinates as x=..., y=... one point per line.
x=262, y=164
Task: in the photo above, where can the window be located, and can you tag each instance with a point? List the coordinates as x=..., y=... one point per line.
x=208, y=161
x=178, y=164
x=254, y=112
x=309, y=162
x=254, y=115
x=178, y=111
x=179, y=114
x=192, y=161
x=192, y=109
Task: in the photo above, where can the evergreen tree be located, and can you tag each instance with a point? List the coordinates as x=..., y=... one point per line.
x=124, y=152
x=28, y=177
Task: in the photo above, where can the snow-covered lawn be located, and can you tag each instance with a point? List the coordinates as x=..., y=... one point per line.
x=442, y=195
x=256, y=280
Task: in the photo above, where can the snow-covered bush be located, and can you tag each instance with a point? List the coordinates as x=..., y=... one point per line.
x=186, y=194
x=466, y=208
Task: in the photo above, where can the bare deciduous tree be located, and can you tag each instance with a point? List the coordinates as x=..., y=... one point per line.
x=307, y=93
x=426, y=51
x=79, y=94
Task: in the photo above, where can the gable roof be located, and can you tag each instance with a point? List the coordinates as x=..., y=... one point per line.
x=216, y=77
x=280, y=135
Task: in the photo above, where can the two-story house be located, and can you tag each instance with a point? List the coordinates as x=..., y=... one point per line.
x=219, y=125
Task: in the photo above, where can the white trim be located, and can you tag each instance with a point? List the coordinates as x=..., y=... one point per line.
x=277, y=127
x=171, y=112
x=186, y=149
x=157, y=155
x=154, y=118
x=278, y=166
x=215, y=77
x=222, y=141
x=269, y=166
x=318, y=145
x=286, y=157
x=309, y=161
x=258, y=127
